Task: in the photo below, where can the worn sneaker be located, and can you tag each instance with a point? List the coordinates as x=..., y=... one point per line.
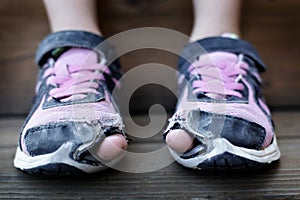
x=221, y=110
x=72, y=116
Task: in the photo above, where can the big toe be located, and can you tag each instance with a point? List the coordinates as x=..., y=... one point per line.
x=179, y=140
x=112, y=147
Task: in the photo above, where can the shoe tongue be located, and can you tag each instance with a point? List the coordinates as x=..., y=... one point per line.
x=216, y=96
x=219, y=59
x=222, y=60
x=74, y=57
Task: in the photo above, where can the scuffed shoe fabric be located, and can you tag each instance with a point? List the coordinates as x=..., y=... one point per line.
x=222, y=106
x=73, y=111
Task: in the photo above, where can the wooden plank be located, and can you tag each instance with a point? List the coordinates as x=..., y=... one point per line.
x=22, y=8
x=166, y=184
x=271, y=27
x=279, y=181
x=18, y=76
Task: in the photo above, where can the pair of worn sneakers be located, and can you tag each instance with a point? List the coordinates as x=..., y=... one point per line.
x=220, y=109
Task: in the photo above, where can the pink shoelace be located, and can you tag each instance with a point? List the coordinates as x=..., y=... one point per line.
x=218, y=78
x=74, y=82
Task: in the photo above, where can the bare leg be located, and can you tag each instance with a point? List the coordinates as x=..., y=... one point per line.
x=82, y=15
x=72, y=15
x=212, y=18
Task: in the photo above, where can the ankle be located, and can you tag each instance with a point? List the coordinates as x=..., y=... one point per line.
x=197, y=35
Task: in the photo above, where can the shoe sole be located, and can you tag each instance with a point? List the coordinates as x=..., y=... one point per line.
x=56, y=163
x=226, y=156
x=54, y=169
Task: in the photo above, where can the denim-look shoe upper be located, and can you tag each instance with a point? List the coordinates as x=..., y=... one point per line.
x=221, y=94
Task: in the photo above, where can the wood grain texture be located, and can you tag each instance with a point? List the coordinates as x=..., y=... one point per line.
x=271, y=25
x=279, y=181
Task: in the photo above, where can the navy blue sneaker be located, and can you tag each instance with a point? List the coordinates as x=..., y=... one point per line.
x=72, y=116
x=221, y=110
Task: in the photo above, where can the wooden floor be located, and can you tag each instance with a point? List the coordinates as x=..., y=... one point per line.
x=271, y=25
x=279, y=181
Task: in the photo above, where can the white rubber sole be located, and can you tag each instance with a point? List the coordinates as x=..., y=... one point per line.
x=61, y=156
x=222, y=145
